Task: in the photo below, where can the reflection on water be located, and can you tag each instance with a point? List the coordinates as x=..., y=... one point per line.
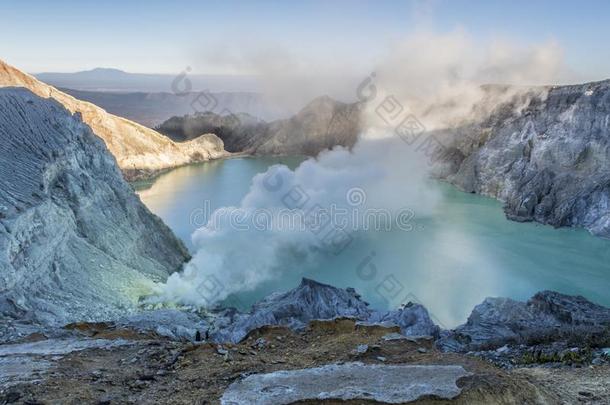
x=179, y=195
x=467, y=251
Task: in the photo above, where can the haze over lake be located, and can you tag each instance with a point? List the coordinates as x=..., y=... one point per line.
x=450, y=262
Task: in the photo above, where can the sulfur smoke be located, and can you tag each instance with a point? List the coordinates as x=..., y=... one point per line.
x=435, y=78
x=289, y=219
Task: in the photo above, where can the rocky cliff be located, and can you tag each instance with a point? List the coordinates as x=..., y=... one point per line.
x=545, y=152
x=75, y=242
x=322, y=124
x=547, y=318
x=139, y=151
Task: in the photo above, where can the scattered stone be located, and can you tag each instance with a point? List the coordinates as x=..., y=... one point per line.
x=503, y=349
x=260, y=343
x=12, y=396
x=361, y=349
x=393, y=336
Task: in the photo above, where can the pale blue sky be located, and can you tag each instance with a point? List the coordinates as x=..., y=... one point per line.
x=217, y=36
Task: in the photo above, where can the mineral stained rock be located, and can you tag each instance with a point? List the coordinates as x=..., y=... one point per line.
x=76, y=243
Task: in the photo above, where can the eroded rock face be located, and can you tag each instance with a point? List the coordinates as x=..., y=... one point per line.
x=139, y=151
x=391, y=384
x=295, y=308
x=544, y=152
x=413, y=320
x=76, y=243
x=547, y=317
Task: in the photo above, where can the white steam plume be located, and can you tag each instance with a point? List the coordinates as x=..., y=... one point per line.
x=437, y=78
x=358, y=190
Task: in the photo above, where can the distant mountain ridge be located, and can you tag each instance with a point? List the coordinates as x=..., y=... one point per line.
x=110, y=79
x=153, y=108
x=139, y=151
x=322, y=124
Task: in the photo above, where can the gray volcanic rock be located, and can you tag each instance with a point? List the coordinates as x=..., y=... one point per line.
x=413, y=320
x=171, y=323
x=545, y=152
x=547, y=317
x=294, y=309
x=391, y=384
x=239, y=132
x=313, y=300
x=322, y=124
x=76, y=243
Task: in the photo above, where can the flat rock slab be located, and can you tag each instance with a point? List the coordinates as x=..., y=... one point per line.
x=391, y=384
x=28, y=362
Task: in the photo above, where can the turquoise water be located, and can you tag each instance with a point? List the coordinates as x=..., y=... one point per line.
x=467, y=251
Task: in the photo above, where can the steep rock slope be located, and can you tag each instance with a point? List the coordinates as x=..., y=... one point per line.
x=75, y=242
x=139, y=151
x=322, y=124
x=544, y=152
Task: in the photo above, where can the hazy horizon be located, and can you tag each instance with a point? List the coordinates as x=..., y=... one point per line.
x=312, y=39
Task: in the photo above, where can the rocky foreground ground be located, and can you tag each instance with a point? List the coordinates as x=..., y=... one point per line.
x=549, y=350
x=147, y=369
